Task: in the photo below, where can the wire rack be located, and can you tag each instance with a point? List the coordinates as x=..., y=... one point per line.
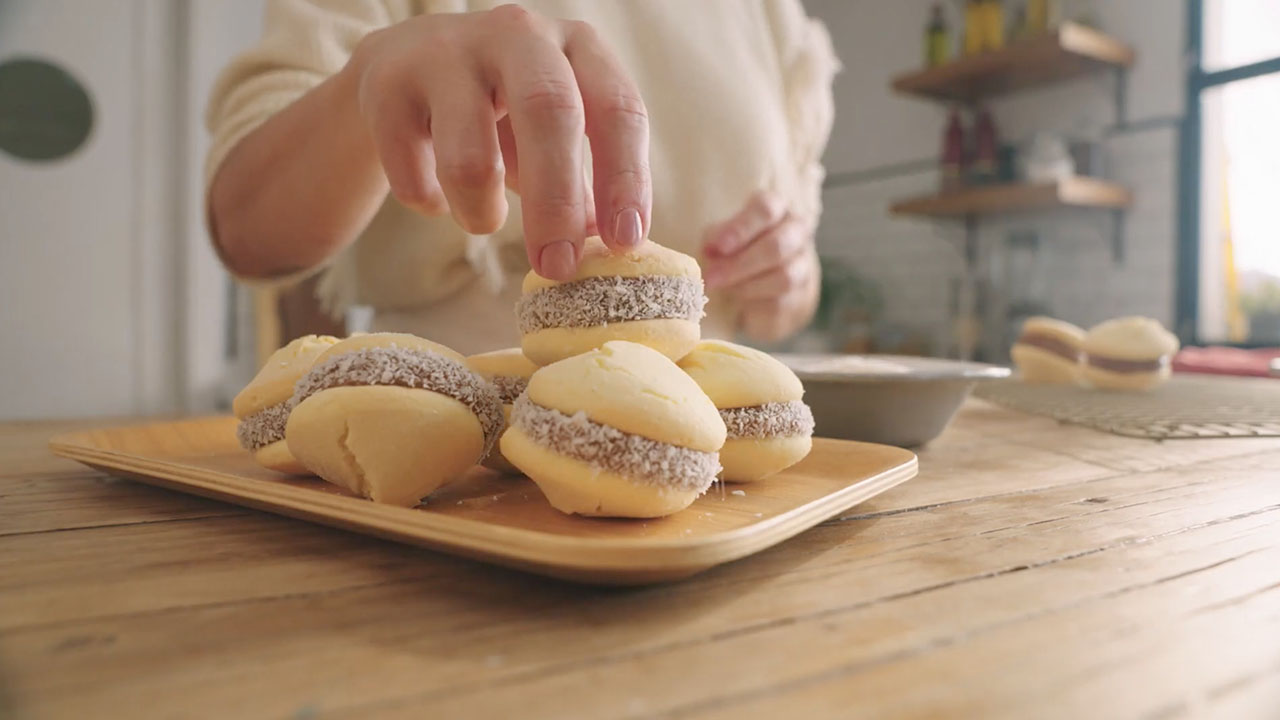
x=1187, y=407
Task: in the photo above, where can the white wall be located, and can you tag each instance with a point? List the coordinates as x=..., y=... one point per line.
x=884, y=147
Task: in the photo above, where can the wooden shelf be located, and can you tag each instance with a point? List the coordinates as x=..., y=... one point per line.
x=1083, y=192
x=1069, y=51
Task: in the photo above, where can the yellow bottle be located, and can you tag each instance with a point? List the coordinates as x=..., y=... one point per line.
x=974, y=23
x=992, y=25
x=1037, y=17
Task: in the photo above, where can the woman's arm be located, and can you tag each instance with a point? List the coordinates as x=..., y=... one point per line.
x=300, y=187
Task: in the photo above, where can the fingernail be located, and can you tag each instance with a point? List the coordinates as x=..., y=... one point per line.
x=627, y=231
x=557, y=261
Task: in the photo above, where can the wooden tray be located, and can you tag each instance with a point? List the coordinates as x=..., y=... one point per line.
x=506, y=520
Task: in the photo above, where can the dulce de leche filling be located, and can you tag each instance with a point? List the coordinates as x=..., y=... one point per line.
x=1048, y=343
x=1117, y=365
x=781, y=419
x=509, y=387
x=597, y=301
x=263, y=427
x=410, y=368
x=612, y=450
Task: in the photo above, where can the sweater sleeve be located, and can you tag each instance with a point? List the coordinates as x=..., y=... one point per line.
x=303, y=42
x=808, y=64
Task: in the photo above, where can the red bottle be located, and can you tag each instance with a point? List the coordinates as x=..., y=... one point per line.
x=953, y=155
x=986, y=156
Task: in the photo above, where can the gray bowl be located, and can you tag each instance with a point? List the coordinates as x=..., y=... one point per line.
x=889, y=399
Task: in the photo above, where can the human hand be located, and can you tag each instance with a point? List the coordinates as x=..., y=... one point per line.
x=764, y=258
x=457, y=105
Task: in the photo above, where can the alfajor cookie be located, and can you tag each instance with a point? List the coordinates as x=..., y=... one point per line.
x=1048, y=351
x=391, y=417
x=652, y=295
x=769, y=426
x=1128, y=353
x=509, y=371
x=262, y=407
x=617, y=431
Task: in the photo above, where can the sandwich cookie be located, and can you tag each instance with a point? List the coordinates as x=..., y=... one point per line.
x=263, y=406
x=1048, y=351
x=769, y=426
x=391, y=417
x=651, y=295
x=619, y=431
x=1128, y=353
x=509, y=371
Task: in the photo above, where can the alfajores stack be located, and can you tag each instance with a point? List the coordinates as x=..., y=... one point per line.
x=263, y=406
x=651, y=295
x=769, y=427
x=391, y=417
x=509, y=372
x=617, y=431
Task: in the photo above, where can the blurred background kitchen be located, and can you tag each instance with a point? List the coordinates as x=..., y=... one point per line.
x=990, y=160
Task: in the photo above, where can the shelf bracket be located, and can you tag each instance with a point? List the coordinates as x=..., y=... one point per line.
x=971, y=242
x=1121, y=78
x=1117, y=236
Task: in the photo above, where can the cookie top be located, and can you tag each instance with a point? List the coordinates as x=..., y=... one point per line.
x=402, y=341
x=736, y=376
x=509, y=362
x=1130, y=338
x=1053, y=328
x=635, y=389
x=599, y=261
x=274, y=382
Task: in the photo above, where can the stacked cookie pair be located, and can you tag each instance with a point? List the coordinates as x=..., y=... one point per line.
x=1127, y=353
x=612, y=405
x=388, y=416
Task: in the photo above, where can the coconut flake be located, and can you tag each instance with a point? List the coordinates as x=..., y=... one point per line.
x=784, y=419
x=411, y=368
x=610, y=449
x=598, y=301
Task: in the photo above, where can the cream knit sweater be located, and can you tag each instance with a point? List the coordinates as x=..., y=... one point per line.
x=739, y=98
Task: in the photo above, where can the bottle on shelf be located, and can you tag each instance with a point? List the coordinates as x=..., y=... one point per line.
x=986, y=149
x=974, y=14
x=953, y=152
x=1036, y=20
x=992, y=24
x=937, y=38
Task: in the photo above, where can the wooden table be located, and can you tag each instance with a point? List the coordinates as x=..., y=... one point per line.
x=1031, y=570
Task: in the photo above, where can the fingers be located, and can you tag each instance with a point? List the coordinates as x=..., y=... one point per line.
x=589, y=205
x=765, y=321
x=774, y=249
x=469, y=162
x=776, y=282
x=547, y=119
x=617, y=123
x=510, y=160
x=769, y=318
x=764, y=210
x=401, y=136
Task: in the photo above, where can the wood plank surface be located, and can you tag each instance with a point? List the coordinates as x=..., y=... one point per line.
x=1031, y=570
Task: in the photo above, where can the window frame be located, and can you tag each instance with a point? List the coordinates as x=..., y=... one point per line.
x=1190, y=172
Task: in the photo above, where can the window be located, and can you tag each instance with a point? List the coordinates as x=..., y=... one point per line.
x=1229, y=269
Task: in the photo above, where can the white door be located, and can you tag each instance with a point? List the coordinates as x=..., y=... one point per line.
x=69, y=235
x=110, y=301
